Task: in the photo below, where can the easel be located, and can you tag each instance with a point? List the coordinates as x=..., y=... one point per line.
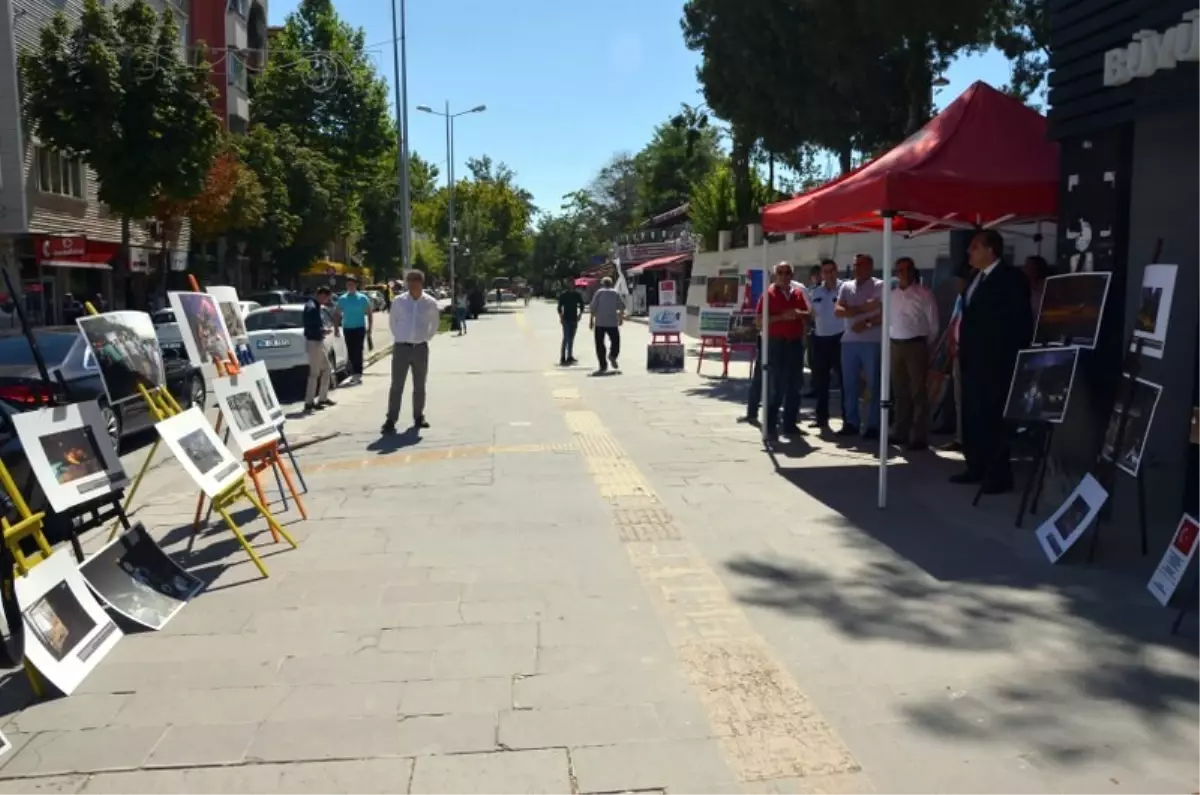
x=721, y=343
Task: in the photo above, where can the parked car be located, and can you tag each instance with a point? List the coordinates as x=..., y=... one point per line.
x=275, y=297
x=377, y=302
x=277, y=338
x=63, y=349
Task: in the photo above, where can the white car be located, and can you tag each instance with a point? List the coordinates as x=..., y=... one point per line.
x=167, y=329
x=277, y=338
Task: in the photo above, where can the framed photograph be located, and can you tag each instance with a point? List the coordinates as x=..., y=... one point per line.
x=741, y=329
x=1041, y=385
x=266, y=390
x=202, y=327
x=664, y=357
x=203, y=456
x=1071, y=310
x=1073, y=517
x=1154, y=309
x=132, y=576
x=715, y=322
x=231, y=312
x=70, y=452
x=722, y=291
x=248, y=418
x=67, y=632
x=1139, y=399
x=126, y=350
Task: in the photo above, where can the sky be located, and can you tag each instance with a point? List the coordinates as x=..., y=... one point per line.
x=567, y=83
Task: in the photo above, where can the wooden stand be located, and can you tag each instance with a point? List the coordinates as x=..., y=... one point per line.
x=222, y=502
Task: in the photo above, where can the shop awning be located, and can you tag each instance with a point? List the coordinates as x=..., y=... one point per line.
x=97, y=260
x=584, y=281
x=983, y=161
x=658, y=264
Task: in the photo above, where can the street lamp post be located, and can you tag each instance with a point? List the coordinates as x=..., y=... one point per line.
x=450, y=117
x=400, y=59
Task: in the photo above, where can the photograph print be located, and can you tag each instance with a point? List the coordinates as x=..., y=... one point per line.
x=59, y=621
x=70, y=453
x=1065, y=526
x=664, y=358
x=248, y=418
x=1071, y=310
x=126, y=350
x=1041, y=385
x=73, y=454
x=200, y=451
x=257, y=372
x=1137, y=400
x=136, y=578
x=227, y=300
x=721, y=291
x=245, y=411
x=1154, y=310
x=203, y=327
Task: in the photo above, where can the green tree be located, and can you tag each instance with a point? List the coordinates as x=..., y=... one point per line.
x=714, y=202
x=1023, y=35
x=562, y=247
x=614, y=193
x=676, y=158
x=380, y=242
x=124, y=66
x=492, y=222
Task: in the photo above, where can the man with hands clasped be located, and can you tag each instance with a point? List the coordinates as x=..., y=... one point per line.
x=789, y=310
x=860, y=304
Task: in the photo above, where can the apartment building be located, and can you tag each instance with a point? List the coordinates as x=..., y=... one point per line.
x=57, y=240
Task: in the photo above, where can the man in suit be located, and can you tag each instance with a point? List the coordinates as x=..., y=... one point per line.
x=996, y=323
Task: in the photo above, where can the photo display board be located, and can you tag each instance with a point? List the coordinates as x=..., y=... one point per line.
x=266, y=390
x=665, y=357
x=70, y=452
x=231, y=312
x=1175, y=560
x=134, y=577
x=126, y=350
x=1154, y=309
x=203, y=456
x=742, y=330
x=1071, y=310
x=246, y=416
x=67, y=632
x=202, y=327
x=666, y=320
x=1137, y=398
x=715, y=322
x=1073, y=517
x=1041, y=385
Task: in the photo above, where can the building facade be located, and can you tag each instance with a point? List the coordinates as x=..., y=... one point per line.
x=1125, y=107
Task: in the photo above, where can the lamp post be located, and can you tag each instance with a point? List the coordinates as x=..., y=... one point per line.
x=400, y=59
x=450, y=117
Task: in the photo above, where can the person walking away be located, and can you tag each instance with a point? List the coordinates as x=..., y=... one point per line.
x=358, y=321
x=460, y=312
x=607, y=314
x=570, y=310
x=787, y=306
x=320, y=374
x=826, y=339
x=997, y=321
x=912, y=333
x=414, y=321
x=859, y=305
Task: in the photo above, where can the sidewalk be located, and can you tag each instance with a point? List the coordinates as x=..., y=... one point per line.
x=581, y=584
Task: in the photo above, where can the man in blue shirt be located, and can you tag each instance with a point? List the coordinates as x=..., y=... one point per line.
x=826, y=338
x=357, y=317
x=320, y=375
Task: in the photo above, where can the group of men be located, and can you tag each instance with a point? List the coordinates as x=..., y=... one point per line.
x=607, y=315
x=843, y=323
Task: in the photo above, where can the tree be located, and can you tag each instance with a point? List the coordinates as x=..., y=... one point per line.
x=380, y=242
x=714, y=202
x=614, y=193
x=232, y=198
x=124, y=67
x=676, y=158
x=1023, y=35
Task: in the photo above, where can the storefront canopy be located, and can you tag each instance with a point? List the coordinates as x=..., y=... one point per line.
x=661, y=263
x=585, y=281
x=983, y=161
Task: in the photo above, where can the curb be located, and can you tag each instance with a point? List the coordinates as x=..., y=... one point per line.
x=379, y=353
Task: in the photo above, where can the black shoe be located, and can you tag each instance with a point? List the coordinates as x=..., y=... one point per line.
x=951, y=447
x=572, y=360
x=793, y=430
x=749, y=419
x=420, y=422
x=601, y=371
x=848, y=430
x=966, y=479
x=562, y=362
x=309, y=408
x=872, y=433
x=326, y=402
x=613, y=361
x=388, y=428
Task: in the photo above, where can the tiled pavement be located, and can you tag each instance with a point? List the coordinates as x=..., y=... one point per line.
x=603, y=584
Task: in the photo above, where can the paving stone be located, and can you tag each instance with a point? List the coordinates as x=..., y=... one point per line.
x=599, y=660
x=52, y=785
x=246, y=647
x=677, y=766
x=132, y=677
x=643, y=634
x=366, y=776
x=467, y=636
x=85, y=711
x=357, y=619
x=447, y=734
x=309, y=740
x=630, y=685
x=85, y=751
x=515, y=772
x=484, y=662
x=504, y=612
x=203, y=745
x=457, y=695
x=579, y=726
x=369, y=666
x=200, y=707
x=368, y=700
x=424, y=592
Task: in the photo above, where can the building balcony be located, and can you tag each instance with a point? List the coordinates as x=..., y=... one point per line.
x=650, y=244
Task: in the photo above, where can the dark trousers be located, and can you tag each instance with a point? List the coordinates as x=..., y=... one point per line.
x=786, y=360
x=755, y=399
x=569, y=327
x=985, y=434
x=614, y=344
x=826, y=360
x=355, y=337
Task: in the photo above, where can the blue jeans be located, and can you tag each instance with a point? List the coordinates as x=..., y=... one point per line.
x=858, y=359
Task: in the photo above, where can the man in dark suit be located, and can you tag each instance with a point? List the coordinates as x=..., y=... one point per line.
x=996, y=323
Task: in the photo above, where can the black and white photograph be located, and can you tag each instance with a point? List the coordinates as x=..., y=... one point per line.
x=257, y=372
x=1041, y=385
x=248, y=418
x=67, y=631
x=245, y=411
x=1065, y=526
x=1154, y=309
x=136, y=578
x=664, y=358
x=195, y=444
x=1071, y=310
x=202, y=327
x=231, y=313
x=70, y=453
x=126, y=350
x=1137, y=400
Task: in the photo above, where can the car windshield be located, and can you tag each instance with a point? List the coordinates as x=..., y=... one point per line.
x=163, y=316
x=275, y=319
x=54, y=345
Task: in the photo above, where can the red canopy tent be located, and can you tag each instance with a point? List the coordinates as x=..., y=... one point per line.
x=982, y=162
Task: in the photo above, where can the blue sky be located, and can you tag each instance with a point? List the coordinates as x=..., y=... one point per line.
x=567, y=83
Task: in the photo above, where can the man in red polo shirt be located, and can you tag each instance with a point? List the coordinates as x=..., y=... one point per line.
x=789, y=311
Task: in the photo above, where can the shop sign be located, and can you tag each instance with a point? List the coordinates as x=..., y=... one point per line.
x=62, y=246
x=139, y=259
x=666, y=320
x=1150, y=51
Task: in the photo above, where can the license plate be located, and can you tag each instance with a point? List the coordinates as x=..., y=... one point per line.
x=272, y=343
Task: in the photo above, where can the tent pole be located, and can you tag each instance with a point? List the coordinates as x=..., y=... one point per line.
x=885, y=360
x=762, y=362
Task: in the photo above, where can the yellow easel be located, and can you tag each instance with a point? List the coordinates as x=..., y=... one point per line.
x=29, y=526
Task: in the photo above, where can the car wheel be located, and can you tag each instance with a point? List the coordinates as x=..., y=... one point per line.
x=336, y=376
x=112, y=424
x=197, y=392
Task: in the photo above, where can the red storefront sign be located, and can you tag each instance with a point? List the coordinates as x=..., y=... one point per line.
x=51, y=247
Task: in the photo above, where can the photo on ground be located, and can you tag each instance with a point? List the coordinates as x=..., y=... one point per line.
x=135, y=577
x=59, y=620
x=1041, y=385
x=126, y=351
x=1071, y=518
x=1072, y=306
x=73, y=454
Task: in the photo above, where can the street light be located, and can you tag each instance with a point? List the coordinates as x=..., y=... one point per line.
x=450, y=117
x=400, y=58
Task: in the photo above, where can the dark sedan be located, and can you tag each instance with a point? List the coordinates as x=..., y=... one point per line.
x=65, y=351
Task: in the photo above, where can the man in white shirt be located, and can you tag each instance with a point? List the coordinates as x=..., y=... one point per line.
x=913, y=329
x=414, y=321
x=859, y=305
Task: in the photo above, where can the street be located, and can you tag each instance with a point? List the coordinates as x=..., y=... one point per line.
x=589, y=585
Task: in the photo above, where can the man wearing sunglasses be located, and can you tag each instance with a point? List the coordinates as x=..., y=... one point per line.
x=788, y=308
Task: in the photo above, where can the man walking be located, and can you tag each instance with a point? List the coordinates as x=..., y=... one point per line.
x=859, y=304
x=414, y=321
x=358, y=319
x=570, y=309
x=912, y=333
x=787, y=309
x=320, y=374
x=607, y=315
x=826, y=340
